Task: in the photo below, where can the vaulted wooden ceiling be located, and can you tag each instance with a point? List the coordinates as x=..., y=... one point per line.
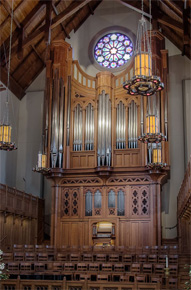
x=36, y=23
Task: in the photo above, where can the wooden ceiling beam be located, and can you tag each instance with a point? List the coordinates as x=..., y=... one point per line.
x=37, y=54
x=33, y=14
x=70, y=10
x=7, y=19
x=25, y=23
x=62, y=25
x=47, y=34
x=186, y=34
x=14, y=87
x=175, y=39
x=27, y=56
x=173, y=7
x=9, y=11
x=168, y=21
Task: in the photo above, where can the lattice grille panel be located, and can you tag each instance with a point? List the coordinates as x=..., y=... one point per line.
x=75, y=203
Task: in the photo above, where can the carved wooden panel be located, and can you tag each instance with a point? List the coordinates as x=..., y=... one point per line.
x=127, y=158
x=83, y=159
x=140, y=201
x=69, y=202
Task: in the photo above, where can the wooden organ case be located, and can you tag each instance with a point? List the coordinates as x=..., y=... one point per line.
x=95, y=161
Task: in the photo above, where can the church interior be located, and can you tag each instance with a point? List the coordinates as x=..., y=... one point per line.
x=95, y=145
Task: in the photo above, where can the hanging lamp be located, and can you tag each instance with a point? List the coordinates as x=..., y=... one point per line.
x=155, y=156
x=143, y=82
x=5, y=127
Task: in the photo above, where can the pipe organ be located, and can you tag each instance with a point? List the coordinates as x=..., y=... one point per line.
x=94, y=156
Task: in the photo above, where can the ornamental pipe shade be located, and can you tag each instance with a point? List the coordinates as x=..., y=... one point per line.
x=143, y=82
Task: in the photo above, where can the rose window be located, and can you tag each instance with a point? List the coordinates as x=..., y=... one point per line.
x=113, y=50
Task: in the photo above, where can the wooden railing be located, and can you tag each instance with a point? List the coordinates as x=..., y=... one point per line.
x=82, y=78
x=184, y=196
x=21, y=217
x=18, y=202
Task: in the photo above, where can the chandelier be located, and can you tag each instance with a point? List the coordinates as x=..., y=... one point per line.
x=143, y=82
x=5, y=127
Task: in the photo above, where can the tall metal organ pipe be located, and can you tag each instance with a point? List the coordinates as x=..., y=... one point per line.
x=89, y=132
x=120, y=126
x=104, y=130
x=55, y=118
x=77, y=143
x=132, y=126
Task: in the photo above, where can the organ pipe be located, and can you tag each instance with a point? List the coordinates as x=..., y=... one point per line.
x=68, y=111
x=104, y=130
x=89, y=132
x=77, y=143
x=132, y=127
x=61, y=122
x=120, y=126
x=55, y=123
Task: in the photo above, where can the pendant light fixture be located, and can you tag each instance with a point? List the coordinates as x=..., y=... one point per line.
x=5, y=127
x=155, y=156
x=143, y=82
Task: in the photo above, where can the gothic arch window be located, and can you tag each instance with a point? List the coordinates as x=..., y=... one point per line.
x=111, y=199
x=88, y=203
x=97, y=199
x=120, y=203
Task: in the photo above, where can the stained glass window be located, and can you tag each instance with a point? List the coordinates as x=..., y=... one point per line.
x=113, y=50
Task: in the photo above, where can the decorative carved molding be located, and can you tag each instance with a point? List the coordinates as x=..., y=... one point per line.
x=80, y=181
x=128, y=180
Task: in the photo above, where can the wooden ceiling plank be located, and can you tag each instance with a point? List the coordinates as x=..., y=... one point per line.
x=175, y=39
x=186, y=37
x=33, y=14
x=37, y=54
x=14, y=87
x=62, y=25
x=173, y=7
x=20, y=44
x=7, y=19
x=9, y=11
x=27, y=56
x=168, y=21
x=71, y=9
x=25, y=23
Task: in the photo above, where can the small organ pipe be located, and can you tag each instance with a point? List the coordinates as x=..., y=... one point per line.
x=142, y=116
x=131, y=124
x=136, y=145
